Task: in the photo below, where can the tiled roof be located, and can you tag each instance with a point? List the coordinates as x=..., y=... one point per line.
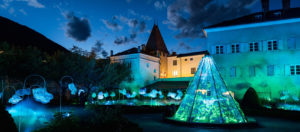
x=193, y=53
x=261, y=17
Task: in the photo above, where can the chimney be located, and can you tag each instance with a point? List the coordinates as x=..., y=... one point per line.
x=143, y=47
x=139, y=49
x=173, y=53
x=265, y=5
x=286, y=4
x=111, y=52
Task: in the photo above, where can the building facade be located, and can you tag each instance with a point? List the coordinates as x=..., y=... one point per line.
x=259, y=51
x=152, y=62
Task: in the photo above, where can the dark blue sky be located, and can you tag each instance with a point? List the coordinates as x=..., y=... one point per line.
x=122, y=24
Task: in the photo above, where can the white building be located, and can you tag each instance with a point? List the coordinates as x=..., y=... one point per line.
x=261, y=51
x=144, y=67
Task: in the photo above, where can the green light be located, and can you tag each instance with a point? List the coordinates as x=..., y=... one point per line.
x=207, y=99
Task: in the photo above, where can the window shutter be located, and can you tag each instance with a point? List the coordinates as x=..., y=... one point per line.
x=229, y=48
x=280, y=44
x=277, y=70
x=260, y=46
x=297, y=43
x=224, y=49
x=213, y=50
x=287, y=70
x=291, y=43
x=265, y=45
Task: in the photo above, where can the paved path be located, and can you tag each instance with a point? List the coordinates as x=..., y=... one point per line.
x=154, y=122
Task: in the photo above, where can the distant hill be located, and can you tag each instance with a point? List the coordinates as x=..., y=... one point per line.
x=22, y=36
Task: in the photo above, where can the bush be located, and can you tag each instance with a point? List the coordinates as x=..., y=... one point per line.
x=91, y=120
x=251, y=99
x=6, y=121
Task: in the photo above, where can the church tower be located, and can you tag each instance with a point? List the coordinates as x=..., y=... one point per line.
x=157, y=47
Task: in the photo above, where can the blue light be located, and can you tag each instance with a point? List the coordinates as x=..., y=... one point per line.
x=41, y=95
x=80, y=91
x=22, y=92
x=15, y=99
x=142, y=91
x=100, y=95
x=72, y=88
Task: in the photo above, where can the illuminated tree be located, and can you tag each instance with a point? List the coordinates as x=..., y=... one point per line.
x=207, y=99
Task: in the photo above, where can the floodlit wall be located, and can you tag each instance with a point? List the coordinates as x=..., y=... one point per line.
x=183, y=66
x=273, y=71
x=145, y=68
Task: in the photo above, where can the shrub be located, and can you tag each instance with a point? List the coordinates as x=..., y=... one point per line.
x=251, y=99
x=6, y=121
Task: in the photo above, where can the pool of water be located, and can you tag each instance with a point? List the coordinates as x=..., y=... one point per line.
x=30, y=115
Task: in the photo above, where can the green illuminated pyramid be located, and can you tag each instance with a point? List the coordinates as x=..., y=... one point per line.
x=207, y=99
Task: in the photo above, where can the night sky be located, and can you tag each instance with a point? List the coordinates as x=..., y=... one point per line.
x=123, y=24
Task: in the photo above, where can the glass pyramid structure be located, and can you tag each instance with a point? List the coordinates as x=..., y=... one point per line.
x=207, y=99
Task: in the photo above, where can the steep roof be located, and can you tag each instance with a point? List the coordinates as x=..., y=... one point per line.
x=156, y=41
x=261, y=17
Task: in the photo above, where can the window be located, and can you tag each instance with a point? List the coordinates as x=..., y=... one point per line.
x=193, y=70
x=154, y=71
x=295, y=70
x=174, y=62
x=235, y=48
x=272, y=45
x=147, y=65
x=270, y=69
x=233, y=72
x=219, y=50
x=252, y=71
x=191, y=59
x=175, y=73
x=154, y=77
x=253, y=46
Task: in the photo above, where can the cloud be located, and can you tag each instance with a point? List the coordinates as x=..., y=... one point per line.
x=112, y=25
x=125, y=39
x=34, y=3
x=77, y=28
x=184, y=46
x=142, y=26
x=23, y=11
x=190, y=16
x=11, y=10
x=159, y=5
x=98, y=48
x=5, y=4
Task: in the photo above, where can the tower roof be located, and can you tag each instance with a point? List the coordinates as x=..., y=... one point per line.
x=156, y=41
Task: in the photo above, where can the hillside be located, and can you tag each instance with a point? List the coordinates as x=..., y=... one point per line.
x=22, y=36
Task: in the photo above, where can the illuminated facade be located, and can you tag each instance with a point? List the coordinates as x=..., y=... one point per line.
x=261, y=51
x=183, y=65
x=152, y=61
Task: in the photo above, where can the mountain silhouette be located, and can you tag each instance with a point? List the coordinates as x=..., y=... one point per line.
x=21, y=36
